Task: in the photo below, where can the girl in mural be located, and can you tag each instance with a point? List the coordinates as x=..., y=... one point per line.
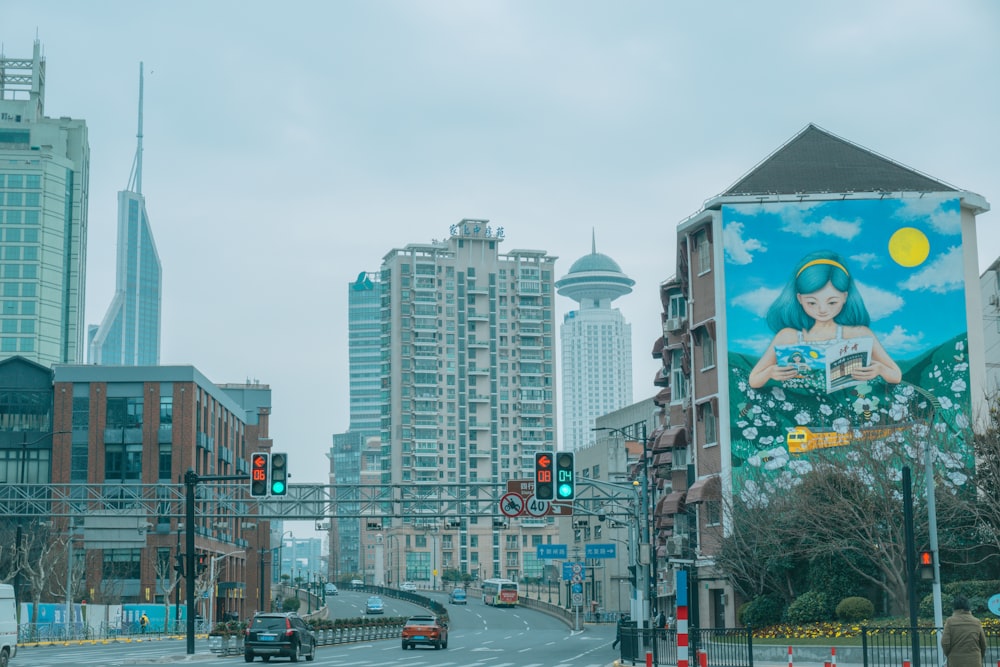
x=820, y=307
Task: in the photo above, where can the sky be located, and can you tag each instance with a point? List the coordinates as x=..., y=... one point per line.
x=290, y=146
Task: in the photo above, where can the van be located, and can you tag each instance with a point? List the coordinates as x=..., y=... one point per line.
x=8, y=624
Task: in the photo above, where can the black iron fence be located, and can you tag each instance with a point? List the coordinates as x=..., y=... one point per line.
x=735, y=647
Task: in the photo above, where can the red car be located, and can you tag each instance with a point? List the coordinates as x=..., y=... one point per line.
x=428, y=630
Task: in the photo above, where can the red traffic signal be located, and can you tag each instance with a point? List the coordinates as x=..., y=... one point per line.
x=544, y=477
x=258, y=474
x=926, y=565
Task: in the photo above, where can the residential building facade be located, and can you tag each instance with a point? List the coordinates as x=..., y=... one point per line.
x=44, y=189
x=742, y=410
x=468, y=361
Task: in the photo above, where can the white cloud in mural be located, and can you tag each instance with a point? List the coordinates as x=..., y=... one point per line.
x=900, y=340
x=944, y=221
x=738, y=249
x=796, y=223
x=879, y=302
x=866, y=260
x=940, y=276
x=756, y=301
x=758, y=344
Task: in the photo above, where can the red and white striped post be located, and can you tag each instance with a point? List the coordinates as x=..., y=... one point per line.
x=682, y=636
x=789, y=656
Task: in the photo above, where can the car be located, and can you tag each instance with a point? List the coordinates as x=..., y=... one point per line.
x=457, y=596
x=428, y=630
x=408, y=586
x=357, y=583
x=272, y=634
x=8, y=623
x=374, y=605
x=331, y=589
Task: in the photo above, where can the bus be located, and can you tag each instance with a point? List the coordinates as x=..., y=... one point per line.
x=500, y=592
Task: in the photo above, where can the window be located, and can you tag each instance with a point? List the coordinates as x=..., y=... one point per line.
x=704, y=251
x=713, y=512
x=707, y=348
x=678, y=381
x=707, y=416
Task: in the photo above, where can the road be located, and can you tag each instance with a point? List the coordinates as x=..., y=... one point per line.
x=479, y=636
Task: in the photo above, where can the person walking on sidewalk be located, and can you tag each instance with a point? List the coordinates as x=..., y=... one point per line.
x=963, y=639
x=618, y=631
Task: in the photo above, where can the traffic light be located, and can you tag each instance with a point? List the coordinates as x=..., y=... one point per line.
x=926, y=565
x=258, y=474
x=633, y=575
x=202, y=564
x=544, y=480
x=565, y=476
x=279, y=474
x=179, y=564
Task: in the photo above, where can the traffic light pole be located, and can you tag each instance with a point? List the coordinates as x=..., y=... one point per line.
x=191, y=479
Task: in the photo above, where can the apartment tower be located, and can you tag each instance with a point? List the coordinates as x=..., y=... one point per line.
x=468, y=356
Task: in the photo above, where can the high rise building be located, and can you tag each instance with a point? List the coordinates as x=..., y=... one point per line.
x=364, y=362
x=364, y=368
x=129, y=335
x=467, y=387
x=596, y=346
x=44, y=185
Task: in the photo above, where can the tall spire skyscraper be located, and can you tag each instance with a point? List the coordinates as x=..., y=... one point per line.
x=129, y=335
x=44, y=176
x=596, y=346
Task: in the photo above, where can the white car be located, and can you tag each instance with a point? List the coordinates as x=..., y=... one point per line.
x=408, y=586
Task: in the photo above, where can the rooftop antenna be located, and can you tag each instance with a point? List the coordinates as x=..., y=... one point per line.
x=135, y=178
x=593, y=241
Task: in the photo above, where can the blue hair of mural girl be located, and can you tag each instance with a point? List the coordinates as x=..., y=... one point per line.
x=812, y=273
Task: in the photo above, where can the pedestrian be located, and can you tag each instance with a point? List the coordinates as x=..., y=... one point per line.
x=143, y=622
x=661, y=620
x=963, y=639
x=618, y=631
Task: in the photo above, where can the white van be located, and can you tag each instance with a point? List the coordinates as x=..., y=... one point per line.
x=8, y=624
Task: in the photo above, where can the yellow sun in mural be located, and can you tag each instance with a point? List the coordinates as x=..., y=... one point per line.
x=909, y=247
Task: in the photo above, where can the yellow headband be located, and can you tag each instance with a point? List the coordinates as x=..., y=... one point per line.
x=821, y=261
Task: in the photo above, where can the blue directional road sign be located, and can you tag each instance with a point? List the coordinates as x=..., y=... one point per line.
x=551, y=552
x=600, y=550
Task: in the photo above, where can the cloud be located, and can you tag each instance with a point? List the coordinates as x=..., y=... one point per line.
x=941, y=213
x=899, y=340
x=942, y=275
x=757, y=301
x=756, y=343
x=829, y=226
x=879, y=302
x=738, y=249
x=866, y=260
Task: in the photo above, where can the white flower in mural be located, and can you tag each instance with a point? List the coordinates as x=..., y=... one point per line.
x=767, y=441
x=907, y=391
x=960, y=345
x=962, y=367
x=940, y=427
x=800, y=466
x=957, y=477
x=826, y=409
x=958, y=386
x=787, y=406
x=962, y=421
x=881, y=451
x=750, y=433
x=778, y=393
x=951, y=459
x=841, y=425
x=898, y=412
x=802, y=418
x=753, y=495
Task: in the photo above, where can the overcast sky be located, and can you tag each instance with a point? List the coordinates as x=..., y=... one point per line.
x=289, y=146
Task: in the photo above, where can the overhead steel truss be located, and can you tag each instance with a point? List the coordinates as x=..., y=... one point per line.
x=225, y=500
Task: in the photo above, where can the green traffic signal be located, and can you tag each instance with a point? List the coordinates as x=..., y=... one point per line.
x=565, y=476
x=279, y=474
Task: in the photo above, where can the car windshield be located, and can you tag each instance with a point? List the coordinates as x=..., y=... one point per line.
x=421, y=621
x=374, y=600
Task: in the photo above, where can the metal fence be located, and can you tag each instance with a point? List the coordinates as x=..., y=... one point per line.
x=734, y=647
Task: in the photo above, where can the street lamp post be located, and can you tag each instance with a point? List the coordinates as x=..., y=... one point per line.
x=645, y=557
x=211, y=583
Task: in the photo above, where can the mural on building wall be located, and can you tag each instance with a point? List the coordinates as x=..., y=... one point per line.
x=846, y=328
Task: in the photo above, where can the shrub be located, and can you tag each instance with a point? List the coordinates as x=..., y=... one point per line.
x=810, y=607
x=291, y=604
x=762, y=611
x=854, y=609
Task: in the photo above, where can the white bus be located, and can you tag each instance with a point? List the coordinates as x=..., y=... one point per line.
x=500, y=592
